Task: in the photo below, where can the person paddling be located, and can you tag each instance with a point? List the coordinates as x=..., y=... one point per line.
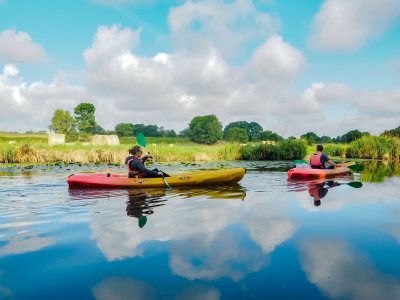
x=136, y=167
x=318, y=159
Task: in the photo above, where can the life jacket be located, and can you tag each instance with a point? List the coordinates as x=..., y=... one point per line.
x=132, y=173
x=315, y=161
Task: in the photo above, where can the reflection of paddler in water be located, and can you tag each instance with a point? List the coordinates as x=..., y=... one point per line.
x=140, y=203
x=318, y=190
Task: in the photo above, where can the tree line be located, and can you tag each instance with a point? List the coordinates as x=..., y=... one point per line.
x=201, y=129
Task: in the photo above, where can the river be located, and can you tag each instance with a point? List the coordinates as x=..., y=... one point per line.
x=263, y=238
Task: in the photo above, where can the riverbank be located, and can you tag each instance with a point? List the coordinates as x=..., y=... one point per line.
x=35, y=150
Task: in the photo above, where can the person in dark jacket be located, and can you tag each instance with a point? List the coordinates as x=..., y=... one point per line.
x=136, y=167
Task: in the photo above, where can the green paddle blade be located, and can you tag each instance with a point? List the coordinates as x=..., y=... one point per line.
x=356, y=168
x=300, y=161
x=142, y=221
x=140, y=139
x=355, y=184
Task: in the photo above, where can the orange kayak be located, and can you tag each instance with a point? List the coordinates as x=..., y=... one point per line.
x=308, y=173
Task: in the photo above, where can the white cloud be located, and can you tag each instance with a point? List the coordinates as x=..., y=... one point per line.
x=347, y=25
x=18, y=47
x=276, y=60
x=21, y=100
x=227, y=26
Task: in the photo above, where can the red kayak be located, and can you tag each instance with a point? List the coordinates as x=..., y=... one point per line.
x=308, y=173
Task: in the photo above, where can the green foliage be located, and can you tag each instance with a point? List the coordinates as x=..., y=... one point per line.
x=352, y=136
x=284, y=150
x=7, y=153
x=270, y=136
x=235, y=134
x=337, y=150
x=372, y=147
x=63, y=122
x=310, y=137
x=124, y=129
x=84, y=116
x=253, y=129
x=392, y=133
x=205, y=129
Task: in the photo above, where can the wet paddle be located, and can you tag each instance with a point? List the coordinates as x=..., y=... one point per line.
x=140, y=139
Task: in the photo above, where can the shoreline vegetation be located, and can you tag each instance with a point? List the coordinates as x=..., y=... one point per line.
x=34, y=149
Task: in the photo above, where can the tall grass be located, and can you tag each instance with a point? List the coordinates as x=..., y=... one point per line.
x=285, y=150
x=375, y=147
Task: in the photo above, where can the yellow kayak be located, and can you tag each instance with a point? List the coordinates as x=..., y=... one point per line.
x=202, y=177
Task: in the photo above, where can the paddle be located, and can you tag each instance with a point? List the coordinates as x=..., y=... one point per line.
x=351, y=165
x=355, y=184
x=140, y=139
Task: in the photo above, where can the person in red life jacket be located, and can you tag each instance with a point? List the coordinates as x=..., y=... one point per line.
x=136, y=167
x=318, y=159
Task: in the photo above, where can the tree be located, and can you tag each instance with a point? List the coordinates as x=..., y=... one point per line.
x=310, y=137
x=170, y=133
x=352, y=136
x=63, y=122
x=84, y=116
x=235, y=134
x=393, y=132
x=124, y=129
x=253, y=129
x=205, y=129
x=270, y=136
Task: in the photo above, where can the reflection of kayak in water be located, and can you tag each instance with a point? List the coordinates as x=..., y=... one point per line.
x=308, y=173
x=193, y=178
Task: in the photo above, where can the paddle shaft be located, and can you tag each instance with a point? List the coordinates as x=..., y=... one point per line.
x=162, y=174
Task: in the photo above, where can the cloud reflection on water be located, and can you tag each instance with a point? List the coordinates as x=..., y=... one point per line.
x=211, y=238
x=343, y=273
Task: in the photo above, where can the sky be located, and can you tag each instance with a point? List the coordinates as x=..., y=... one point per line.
x=326, y=66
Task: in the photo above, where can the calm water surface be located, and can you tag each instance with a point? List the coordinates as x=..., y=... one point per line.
x=262, y=238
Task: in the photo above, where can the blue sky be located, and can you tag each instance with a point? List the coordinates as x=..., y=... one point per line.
x=293, y=66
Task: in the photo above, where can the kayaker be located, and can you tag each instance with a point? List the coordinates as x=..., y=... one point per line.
x=318, y=159
x=136, y=167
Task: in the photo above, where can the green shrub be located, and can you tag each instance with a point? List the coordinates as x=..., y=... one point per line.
x=375, y=147
x=285, y=150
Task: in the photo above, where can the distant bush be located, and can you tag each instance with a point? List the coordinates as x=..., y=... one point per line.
x=374, y=147
x=338, y=150
x=285, y=150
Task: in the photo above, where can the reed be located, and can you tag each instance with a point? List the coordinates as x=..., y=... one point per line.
x=375, y=147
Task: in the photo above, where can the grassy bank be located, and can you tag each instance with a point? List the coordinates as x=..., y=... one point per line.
x=19, y=148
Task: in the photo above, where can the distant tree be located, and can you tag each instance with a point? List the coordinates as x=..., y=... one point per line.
x=311, y=138
x=205, y=129
x=236, y=134
x=84, y=116
x=138, y=128
x=392, y=132
x=253, y=129
x=151, y=130
x=352, y=136
x=325, y=139
x=63, y=122
x=99, y=130
x=170, y=133
x=270, y=136
x=184, y=133
x=124, y=129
